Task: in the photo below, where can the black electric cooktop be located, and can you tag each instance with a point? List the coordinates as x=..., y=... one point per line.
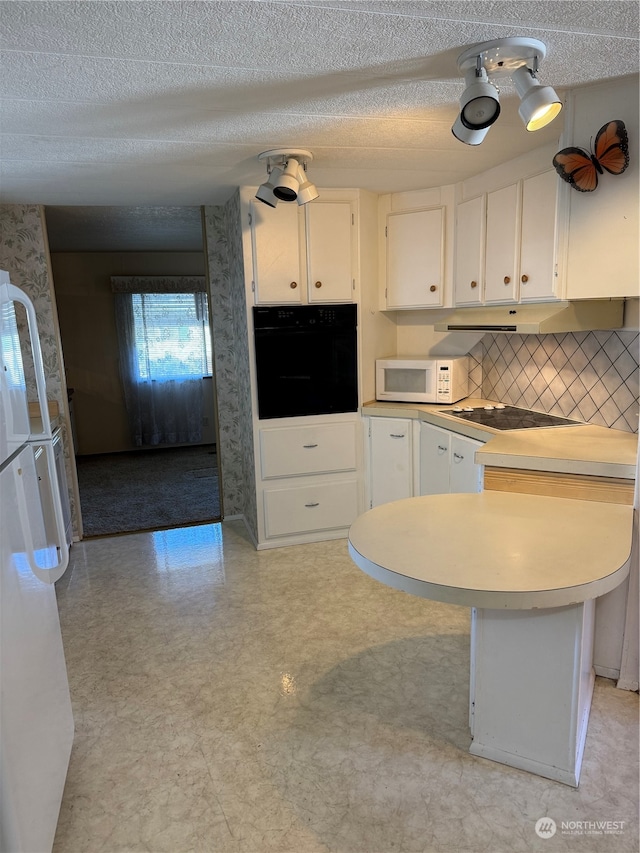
x=508, y=417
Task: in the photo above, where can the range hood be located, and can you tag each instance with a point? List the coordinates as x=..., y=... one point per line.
x=537, y=319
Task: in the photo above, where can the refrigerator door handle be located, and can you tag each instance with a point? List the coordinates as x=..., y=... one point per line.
x=11, y=293
x=47, y=575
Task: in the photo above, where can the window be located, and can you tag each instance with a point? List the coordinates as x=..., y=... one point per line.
x=171, y=332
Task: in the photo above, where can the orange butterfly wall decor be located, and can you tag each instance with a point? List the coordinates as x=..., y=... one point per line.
x=580, y=169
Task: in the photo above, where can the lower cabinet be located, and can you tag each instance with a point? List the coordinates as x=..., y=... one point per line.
x=407, y=457
x=310, y=508
x=447, y=462
x=390, y=460
x=309, y=482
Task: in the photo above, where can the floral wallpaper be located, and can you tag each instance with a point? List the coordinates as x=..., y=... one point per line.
x=24, y=254
x=231, y=359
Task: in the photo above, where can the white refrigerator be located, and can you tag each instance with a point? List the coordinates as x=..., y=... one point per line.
x=36, y=723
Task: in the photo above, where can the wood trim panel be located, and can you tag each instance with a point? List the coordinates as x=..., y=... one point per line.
x=583, y=487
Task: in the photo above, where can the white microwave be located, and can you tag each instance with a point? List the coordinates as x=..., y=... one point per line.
x=422, y=380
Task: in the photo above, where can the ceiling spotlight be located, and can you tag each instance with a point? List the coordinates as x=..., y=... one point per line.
x=539, y=105
x=287, y=180
x=517, y=58
x=480, y=103
x=265, y=191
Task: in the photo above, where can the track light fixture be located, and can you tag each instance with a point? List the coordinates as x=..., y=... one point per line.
x=287, y=178
x=517, y=58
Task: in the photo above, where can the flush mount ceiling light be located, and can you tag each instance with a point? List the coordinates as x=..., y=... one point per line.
x=517, y=58
x=287, y=181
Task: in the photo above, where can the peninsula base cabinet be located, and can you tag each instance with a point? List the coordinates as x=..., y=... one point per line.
x=447, y=463
x=531, y=686
x=309, y=487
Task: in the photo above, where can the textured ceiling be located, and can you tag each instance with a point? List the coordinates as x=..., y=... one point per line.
x=169, y=103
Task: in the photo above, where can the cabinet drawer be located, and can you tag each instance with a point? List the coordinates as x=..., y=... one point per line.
x=288, y=451
x=305, y=509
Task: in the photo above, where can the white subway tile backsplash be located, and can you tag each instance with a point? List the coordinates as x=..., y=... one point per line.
x=589, y=376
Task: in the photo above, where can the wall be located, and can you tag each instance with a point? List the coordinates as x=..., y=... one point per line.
x=89, y=339
x=223, y=237
x=588, y=376
x=24, y=254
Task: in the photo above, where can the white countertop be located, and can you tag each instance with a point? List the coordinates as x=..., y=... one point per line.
x=495, y=549
x=581, y=449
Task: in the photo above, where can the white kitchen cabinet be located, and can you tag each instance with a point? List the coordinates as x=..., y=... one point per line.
x=309, y=487
x=415, y=258
x=303, y=254
x=502, y=245
x=330, y=256
x=602, y=227
x=506, y=243
x=310, y=508
x=538, y=237
x=390, y=459
x=447, y=462
x=470, y=241
x=278, y=266
x=307, y=449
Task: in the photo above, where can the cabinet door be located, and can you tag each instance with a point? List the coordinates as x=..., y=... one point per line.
x=330, y=264
x=464, y=475
x=537, y=252
x=435, y=449
x=415, y=259
x=390, y=460
x=470, y=235
x=502, y=245
x=275, y=239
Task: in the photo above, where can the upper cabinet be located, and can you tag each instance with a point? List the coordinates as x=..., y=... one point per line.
x=600, y=234
x=415, y=268
x=329, y=231
x=278, y=261
x=506, y=243
x=303, y=254
x=415, y=249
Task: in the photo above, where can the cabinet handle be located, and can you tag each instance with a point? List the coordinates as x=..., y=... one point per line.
x=524, y=279
x=311, y=505
x=396, y=435
x=309, y=445
x=433, y=288
x=474, y=284
x=507, y=279
x=457, y=456
x=443, y=449
x=293, y=285
x=318, y=284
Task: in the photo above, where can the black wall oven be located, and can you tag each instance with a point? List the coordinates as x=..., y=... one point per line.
x=306, y=359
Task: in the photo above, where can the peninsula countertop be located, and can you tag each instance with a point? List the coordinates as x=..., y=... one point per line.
x=496, y=550
x=578, y=449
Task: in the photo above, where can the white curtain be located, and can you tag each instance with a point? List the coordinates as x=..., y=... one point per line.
x=163, y=342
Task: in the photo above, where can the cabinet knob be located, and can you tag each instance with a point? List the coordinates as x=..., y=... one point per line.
x=318, y=284
x=293, y=285
x=507, y=279
x=433, y=288
x=524, y=279
x=474, y=284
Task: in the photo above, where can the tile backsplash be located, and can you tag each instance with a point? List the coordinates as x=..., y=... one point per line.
x=589, y=376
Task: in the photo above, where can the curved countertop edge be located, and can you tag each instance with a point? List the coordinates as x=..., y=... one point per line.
x=513, y=551
x=491, y=599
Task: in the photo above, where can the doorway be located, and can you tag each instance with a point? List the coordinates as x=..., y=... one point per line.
x=127, y=485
